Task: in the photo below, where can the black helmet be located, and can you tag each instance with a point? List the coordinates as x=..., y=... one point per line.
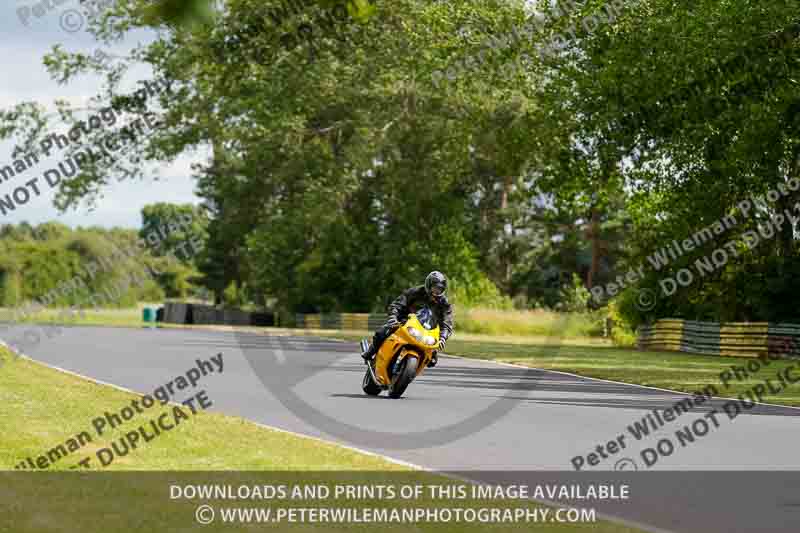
x=436, y=285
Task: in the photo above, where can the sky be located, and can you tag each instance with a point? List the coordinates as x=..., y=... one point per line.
x=24, y=39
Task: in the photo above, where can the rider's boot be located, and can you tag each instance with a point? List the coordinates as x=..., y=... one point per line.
x=374, y=346
x=369, y=354
x=369, y=350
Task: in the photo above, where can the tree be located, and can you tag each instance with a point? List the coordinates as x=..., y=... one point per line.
x=170, y=227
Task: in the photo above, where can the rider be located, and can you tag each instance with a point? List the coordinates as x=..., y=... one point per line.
x=432, y=293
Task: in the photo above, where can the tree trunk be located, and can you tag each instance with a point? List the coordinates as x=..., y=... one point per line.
x=598, y=245
x=594, y=236
x=508, y=183
x=787, y=203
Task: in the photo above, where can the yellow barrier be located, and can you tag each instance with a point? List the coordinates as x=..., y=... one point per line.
x=739, y=339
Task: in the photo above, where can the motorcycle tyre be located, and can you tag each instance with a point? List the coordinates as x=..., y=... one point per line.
x=404, y=377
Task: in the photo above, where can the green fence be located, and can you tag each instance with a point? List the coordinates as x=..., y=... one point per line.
x=741, y=339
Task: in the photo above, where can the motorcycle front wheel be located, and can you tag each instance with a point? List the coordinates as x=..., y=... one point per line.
x=405, y=375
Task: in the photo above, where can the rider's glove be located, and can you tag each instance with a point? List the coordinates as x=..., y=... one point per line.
x=392, y=322
x=442, y=342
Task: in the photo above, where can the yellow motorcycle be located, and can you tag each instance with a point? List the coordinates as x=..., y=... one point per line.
x=403, y=355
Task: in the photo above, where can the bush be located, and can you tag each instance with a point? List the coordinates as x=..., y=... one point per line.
x=622, y=332
x=480, y=292
x=233, y=297
x=574, y=297
x=535, y=323
x=11, y=286
x=173, y=277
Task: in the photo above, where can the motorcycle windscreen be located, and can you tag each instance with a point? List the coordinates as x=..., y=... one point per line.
x=426, y=318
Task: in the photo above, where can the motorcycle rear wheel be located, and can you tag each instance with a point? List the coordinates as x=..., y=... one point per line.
x=369, y=386
x=404, y=377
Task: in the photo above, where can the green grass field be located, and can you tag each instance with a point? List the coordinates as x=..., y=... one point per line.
x=41, y=408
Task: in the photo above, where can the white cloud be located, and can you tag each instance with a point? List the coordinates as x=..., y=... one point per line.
x=24, y=78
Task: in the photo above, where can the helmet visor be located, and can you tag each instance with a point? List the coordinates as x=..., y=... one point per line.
x=437, y=291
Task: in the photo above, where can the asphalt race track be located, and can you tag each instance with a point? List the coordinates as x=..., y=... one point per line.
x=508, y=423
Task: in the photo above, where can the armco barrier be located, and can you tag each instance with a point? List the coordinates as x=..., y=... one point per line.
x=740, y=339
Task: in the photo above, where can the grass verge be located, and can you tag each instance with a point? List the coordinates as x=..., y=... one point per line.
x=529, y=323
x=127, y=317
x=56, y=406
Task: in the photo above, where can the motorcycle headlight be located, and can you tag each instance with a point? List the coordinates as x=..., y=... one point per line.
x=429, y=340
x=414, y=332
